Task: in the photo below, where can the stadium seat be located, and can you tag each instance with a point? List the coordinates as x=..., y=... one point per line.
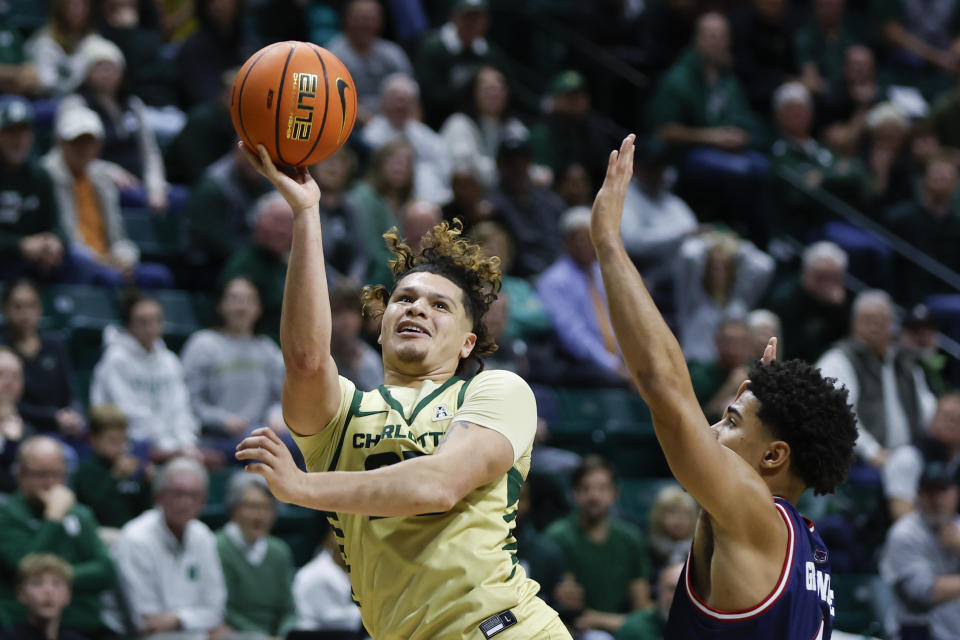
x=637, y=496
x=858, y=603
x=84, y=311
x=158, y=236
x=180, y=316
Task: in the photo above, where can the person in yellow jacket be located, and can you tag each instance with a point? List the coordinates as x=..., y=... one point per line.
x=420, y=478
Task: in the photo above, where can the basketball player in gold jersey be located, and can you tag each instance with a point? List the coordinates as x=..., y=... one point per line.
x=421, y=477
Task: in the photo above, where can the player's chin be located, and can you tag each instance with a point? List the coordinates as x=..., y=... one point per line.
x=411, y=352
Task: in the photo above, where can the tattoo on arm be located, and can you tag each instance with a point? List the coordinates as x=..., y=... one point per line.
x=461, y=424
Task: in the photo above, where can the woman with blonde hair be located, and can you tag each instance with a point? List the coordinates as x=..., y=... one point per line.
x=672, y=520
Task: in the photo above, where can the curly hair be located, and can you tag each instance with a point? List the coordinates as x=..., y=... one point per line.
x=810, y=414
x=443, y=251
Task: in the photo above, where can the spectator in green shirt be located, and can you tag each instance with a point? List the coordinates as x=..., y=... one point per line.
x=716, y=381
x=796, y=154
x=257, y=567
x=607, y=556
x=449, y=58
x=820, y=45
x=112, y=481
x=30, y=236
x=43, y=516
x=264, y=263
x=700, y=107
x=651, y=623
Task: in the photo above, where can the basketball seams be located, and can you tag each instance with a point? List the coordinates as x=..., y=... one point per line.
x=276, y=126
x=243, y=84
x=326, y=105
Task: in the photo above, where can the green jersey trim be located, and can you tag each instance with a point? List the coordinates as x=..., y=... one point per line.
x=396, y=406
x=354, y=407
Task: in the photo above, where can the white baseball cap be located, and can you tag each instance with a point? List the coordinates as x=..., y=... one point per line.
x=78, y=121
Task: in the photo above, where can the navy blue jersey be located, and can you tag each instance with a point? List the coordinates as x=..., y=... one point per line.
x=800, y=607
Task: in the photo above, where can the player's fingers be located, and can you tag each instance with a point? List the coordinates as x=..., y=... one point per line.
x=270, y=434
x=257, y=453
x=269, y=168
x=626, y=153
x=257, y=468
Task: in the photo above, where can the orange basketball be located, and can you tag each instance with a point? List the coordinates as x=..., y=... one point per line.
x=296, y=99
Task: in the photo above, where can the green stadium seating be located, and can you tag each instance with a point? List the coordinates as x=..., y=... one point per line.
x=158, y=236
x=83, y=311
x=856, y=603
x=180, y=316
x=637, y=496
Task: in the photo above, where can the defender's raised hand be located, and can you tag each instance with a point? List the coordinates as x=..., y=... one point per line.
x=300, y=190
x=608, y=205
x=770, y=352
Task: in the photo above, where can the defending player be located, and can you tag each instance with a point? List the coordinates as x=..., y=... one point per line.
x=757, y=569
x=421, y=477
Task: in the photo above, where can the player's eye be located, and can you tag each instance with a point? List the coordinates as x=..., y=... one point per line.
x=404, y=298
x=440, y=305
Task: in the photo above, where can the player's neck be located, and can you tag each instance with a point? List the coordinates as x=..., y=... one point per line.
x=396, y=378
x=790, y=489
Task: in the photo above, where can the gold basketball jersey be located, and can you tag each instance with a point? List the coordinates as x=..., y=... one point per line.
x=436, y=576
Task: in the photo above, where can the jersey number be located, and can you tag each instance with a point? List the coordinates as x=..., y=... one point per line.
x=387, y=458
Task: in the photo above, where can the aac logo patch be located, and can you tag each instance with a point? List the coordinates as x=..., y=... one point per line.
x=440, y=413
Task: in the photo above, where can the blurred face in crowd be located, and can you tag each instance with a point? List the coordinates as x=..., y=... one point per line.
x=42, y=467
x=733, y=345
x=45, y=595
x=398, y=167
x=73, y=14
x=666, y=587
x=497, y=316
x=940, y=181
x=146, y=323
x=490, y=92
x=105, y=76
x=574, y=187
x=471, y=25
x=579, y=247
x=333, y=174
x=496, y=242
x=514, y=170
x=873, y=324
x=16, y=143
x=822, y=278
x=255, y=513
x=400, y=102
x=938, y=504
x=719, y=273
x=573, y=104
x=23, y=310
x=921, y=340
x=945, y=425
x=80, y=152
x=712, y=40
x=467, y=190
x=121, y=14
x=771, y=10
x=273, y=229
x=109, y=443
x=828, y=13
x=859, y=66
x=595, y=495
x=362, y=23
x=182, y=499
x=795, y=119
x=240, y=306
x=346, y=322
x=419, y=218
x=11, y=377
x=222, y=12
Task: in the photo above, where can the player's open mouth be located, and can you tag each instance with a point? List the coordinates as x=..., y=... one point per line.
x=409, y=328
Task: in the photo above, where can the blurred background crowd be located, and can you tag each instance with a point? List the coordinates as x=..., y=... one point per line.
x=797, y=176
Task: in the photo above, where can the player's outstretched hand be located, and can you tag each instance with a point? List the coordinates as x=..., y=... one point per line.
x=608, y=205
x=770, y=352
x=275, y=464
x=299, y=190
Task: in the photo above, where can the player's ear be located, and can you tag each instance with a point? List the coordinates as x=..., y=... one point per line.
x=776, y=455
x=468, y=344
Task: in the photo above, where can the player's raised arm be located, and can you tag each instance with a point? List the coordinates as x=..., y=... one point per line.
x=716, y=476
x=311, y=390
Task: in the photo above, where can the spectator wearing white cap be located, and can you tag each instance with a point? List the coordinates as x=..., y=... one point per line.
x=57, y=49
x=129, y=140
x=572, y=293
x=88, y=199
x=886, y=155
